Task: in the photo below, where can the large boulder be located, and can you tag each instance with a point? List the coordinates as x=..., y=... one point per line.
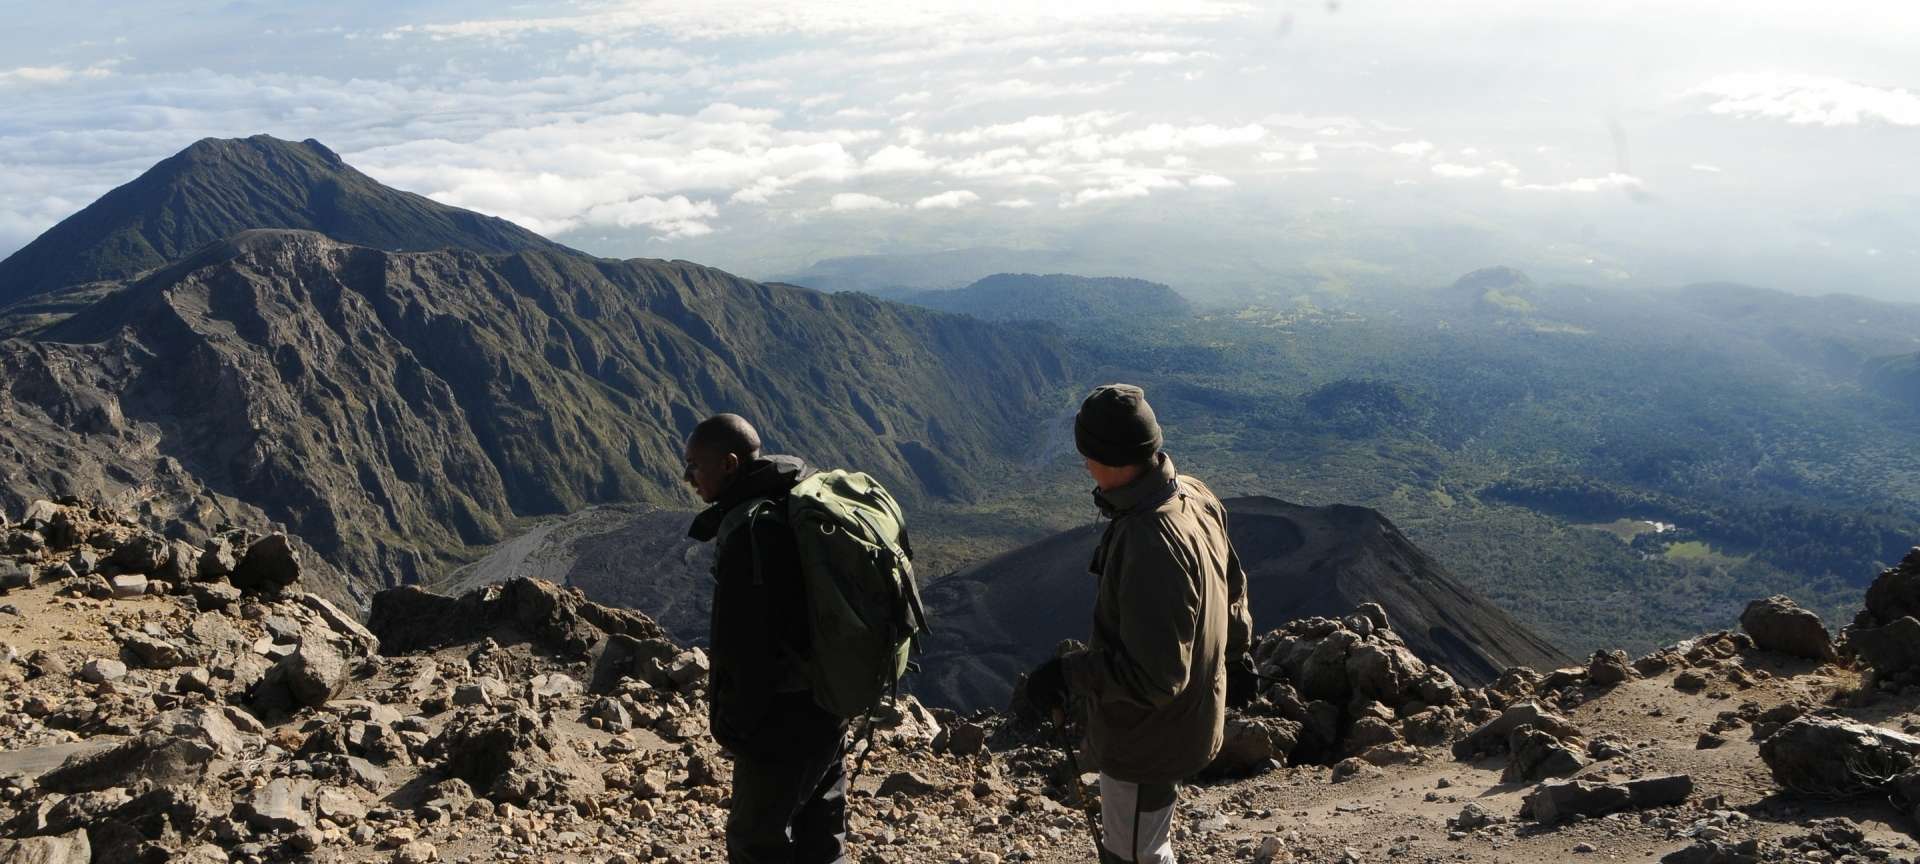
x=67, y=849
x=270, y=565
x=154, y=758
x=410, y=619
x=1895, y=594
x=510, y=757
x=1777, y=624
x=212, y=727
x=1893, y=651
x=281, y=804
x=1553, y=803
x=1536, y=755
x=141, y=553
x=1822, y=756
x=1884, y=634
x=1253, y=745
x=1494, y=735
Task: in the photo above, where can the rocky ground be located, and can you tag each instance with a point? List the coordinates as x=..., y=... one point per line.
x=164, y=702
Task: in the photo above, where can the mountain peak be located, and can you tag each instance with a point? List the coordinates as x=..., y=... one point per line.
x=218, y=187
x=212, y=149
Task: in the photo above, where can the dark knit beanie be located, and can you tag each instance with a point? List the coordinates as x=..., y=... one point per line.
x=1115, y=427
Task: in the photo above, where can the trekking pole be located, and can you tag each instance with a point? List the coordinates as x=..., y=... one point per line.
x=1063, y=741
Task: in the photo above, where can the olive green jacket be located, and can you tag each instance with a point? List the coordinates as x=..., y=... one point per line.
x=1172, y=607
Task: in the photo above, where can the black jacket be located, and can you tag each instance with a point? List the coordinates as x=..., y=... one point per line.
x=759, y=705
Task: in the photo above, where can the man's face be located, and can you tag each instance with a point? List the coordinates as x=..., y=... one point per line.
x=709, y=472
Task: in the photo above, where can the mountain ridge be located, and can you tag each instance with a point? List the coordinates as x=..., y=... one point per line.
x=402, y=407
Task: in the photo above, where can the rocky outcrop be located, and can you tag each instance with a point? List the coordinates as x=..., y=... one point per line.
x=1337, y=688
x=1778, y=624
x=1829, y=840
x=1886, y=634
x=562, y=620
x=1830, y=757
x=1553, y=803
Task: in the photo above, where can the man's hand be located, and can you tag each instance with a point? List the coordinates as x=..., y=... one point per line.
x=1047, y=688
x=1243, y=683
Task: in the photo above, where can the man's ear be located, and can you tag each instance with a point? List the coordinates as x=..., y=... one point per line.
x=732, y=463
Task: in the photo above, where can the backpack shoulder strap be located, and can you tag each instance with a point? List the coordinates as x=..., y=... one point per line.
x=744, y=516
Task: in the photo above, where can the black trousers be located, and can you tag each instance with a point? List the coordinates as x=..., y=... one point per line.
x=791, y=808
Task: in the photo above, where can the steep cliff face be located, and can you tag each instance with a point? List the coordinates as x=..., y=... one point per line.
x=217, y=188
x=996, y=620
x=396, y=408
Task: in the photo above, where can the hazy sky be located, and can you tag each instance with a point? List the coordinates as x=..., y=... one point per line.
x=1624, y=141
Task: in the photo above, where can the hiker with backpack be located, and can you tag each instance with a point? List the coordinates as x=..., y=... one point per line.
x=814, y=612
x=1171, y=629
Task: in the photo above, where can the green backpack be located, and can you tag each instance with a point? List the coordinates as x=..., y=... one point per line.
x=863, y=604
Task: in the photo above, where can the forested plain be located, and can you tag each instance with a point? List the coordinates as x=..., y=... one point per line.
x=1531, y=437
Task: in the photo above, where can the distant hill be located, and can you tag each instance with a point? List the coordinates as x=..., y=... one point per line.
x=399, y=408
x=1498, y=290
x=1057, y=297
x=217, y=188
x=994, y=621
x=1895, y=377
x=890, y=276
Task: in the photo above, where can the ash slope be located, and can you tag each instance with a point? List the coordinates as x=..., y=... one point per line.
x=397, y=408
x=995, y=620
x=217, y=188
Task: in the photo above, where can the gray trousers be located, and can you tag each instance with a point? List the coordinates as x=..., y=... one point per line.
x=1136, y=822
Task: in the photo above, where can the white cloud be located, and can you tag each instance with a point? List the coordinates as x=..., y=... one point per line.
x=895, y=158
x=847, y=202
x=608, y=54
x=949, y=200
x=1416, y=149
x=1457, y=170
x=1705, y=168
x=717, y=19
x=1022, y=89
x=1122, y=185
x=1052, y=63
x=1043, y=127
x=674, y=217
x=1583, y=184
x=1809, y=100
x=1157, y=58
x=1165, y=137
x=1210, y=181
x=1307, y=153
x=26, y=75
x=1014, y=203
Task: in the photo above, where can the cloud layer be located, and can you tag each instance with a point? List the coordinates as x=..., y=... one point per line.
x=753, y=133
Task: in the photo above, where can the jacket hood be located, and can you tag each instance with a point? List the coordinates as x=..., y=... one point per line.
x=1151, y=489
x=764, y=477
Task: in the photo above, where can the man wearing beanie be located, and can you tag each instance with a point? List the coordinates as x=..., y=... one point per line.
x=1170, y=627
